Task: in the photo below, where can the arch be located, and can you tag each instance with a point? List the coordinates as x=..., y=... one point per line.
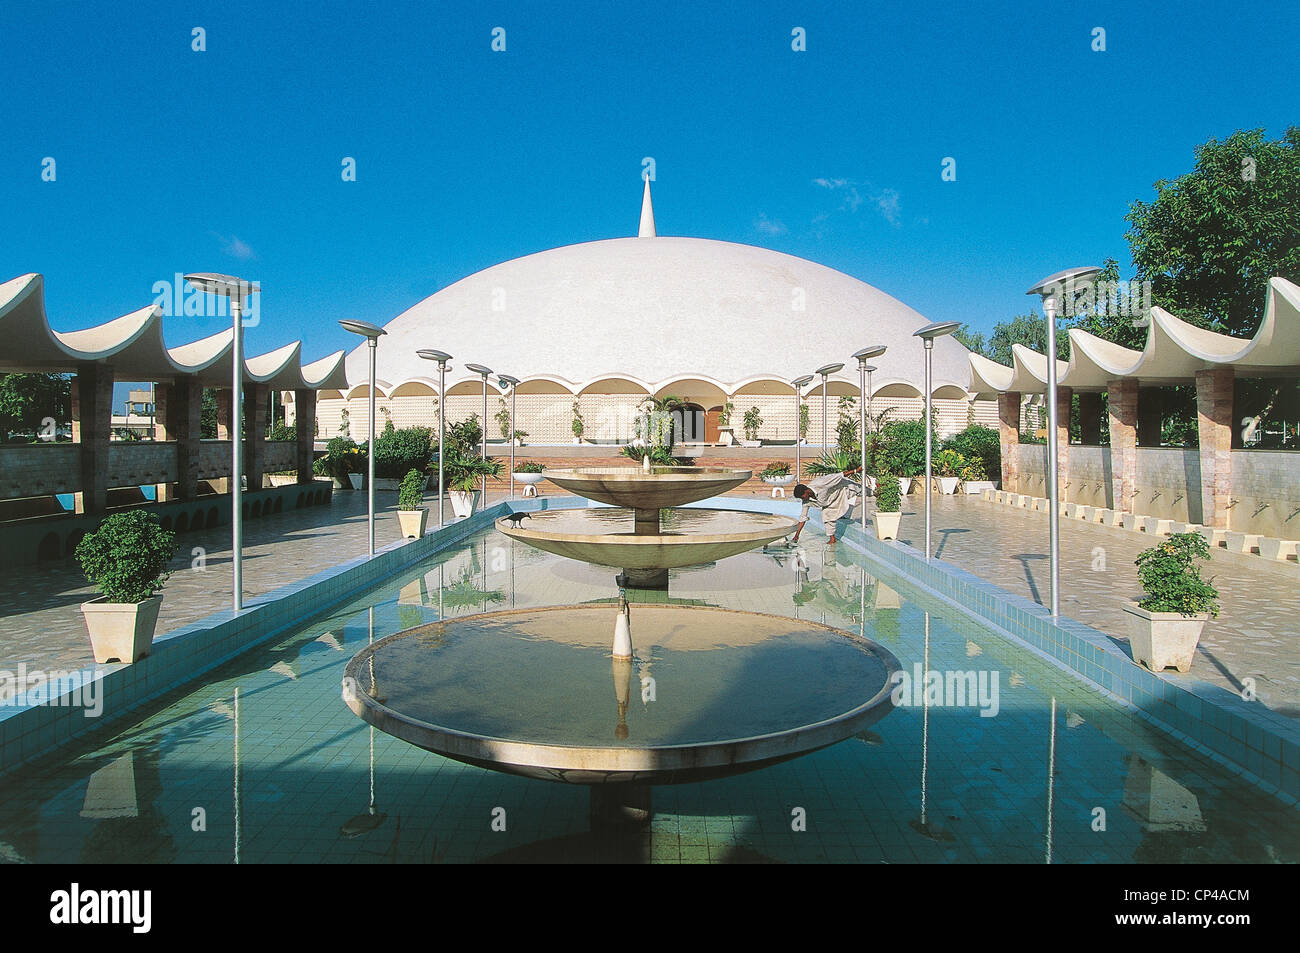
x=763, y=386
x=896, y=388
x=949, y=391
x=545, y=384
x=182, y=522
x=694, y=389
x=257, y=508
x=297, y=503
x=363, y=389
x=472, y=387
x=279, y=505
x=320, y=496
x=74, y=538
x=49, y=547
x=330, y=394
x=615, y=384
x=415, y=387
x=214, y=517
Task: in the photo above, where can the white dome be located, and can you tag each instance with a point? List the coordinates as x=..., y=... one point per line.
x=657, y=309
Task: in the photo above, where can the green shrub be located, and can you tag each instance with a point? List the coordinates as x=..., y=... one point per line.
x=410, y=495
x=398, y=451
x=529, y=466
x=282, y=432
x=660, y=455
x=980, y=443
x=888, y=497
x=342, y=456
x=1171, y=577
x=775, y=470
x=464, y=438
x=126, y=556
x=753, y=420
x=464, y=473
x=902, y=448
x=832, y=461
x=948, y=463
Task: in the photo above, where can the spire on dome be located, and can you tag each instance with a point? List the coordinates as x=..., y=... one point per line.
x=647, y=229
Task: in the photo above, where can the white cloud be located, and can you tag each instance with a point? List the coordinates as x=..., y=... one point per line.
x=236, y=247
x=769, y=226
x=855, y=194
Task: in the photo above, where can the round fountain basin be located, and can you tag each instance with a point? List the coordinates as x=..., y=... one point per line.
x=686, y=537
x=710, y=692
x=660, y=488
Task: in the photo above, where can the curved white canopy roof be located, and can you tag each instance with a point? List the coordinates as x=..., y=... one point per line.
x=654, y=309
x=1174, y=352
x=134, y=345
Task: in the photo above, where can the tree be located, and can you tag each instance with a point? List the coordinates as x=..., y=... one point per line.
x=208, y=415
x=972, y=340
x=1213, y=237
x=26, y=400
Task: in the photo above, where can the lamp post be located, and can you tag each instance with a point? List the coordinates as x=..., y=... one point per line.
x=442, y=357
x=1063, y=282
x=927, y=334
x=483, y=372
x=512, y=383
x=864, y=395
x=798, y=384
x=371, y=333
x=237, y=290
x=825, y=372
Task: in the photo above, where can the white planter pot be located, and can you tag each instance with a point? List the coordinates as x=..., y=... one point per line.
x=887, y=524
x=948, y=485
x=904, y=485
x=341, y=484
x=357, y=480
x=779, y=481
x=529, y=479
x=577, y=440
x=1160, y=640
x=462, y=503
x=726, y=436
x=121, y=631
x=971, y=487
x=413, y=522
x=387, y=485
x=751, y=443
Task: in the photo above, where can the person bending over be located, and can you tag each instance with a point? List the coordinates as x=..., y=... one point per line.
x=833, y=493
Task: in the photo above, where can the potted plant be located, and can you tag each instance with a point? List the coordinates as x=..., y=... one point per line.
x=398, y=452
x=753, y=420
x=462, y=475
x=973, y=476
x=410, y=495
x=519, y=437
x=126, y=559
x=776, y=474
x=503, y=420
x=804, y=417
x=725, y=432
x=889, y=501
x=578, y=425
x=529, y=472
x=1167, y=624
x=948, y=464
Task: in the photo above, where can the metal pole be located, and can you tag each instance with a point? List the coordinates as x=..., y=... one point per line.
x=869, y=417
x=371, y=455
x=798, y=437
x=483, y=502
x=862, y=439
x=442, y=442
x=237, y=453
x=1054, y=528
x=929, y=348
x=513, y=388
x=825, y=436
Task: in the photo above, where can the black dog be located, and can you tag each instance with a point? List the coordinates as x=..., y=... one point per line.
x=514, y=518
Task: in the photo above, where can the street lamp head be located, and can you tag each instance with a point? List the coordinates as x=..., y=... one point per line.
x=365, y=329
x=938, y=329
x=442, y=357
x=508, y=380
x=828, y=369
x=479, y=369
x=227, y=285
x=1063, y=280
x=869, y=352
x=801, y=381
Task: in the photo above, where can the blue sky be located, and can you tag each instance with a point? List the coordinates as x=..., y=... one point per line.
x=170, y=160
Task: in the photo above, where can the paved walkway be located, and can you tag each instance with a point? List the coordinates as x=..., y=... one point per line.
x=1255, y=637
x=1257, y=633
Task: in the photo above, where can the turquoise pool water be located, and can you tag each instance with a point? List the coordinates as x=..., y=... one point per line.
x=1005, y=759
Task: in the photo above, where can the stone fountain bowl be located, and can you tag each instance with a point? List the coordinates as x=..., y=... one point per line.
x=534, y=692
x=661, y=488
x=687, y=537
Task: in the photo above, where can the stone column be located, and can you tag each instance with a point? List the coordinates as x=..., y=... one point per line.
x=223, y=395
x=255, y=397
x=1122, y=397
x=1064, y=402
x=1151, y=408
x=1214, y=427
x=179, y=409
x=304, y=419
x=1090, y=419
x=1009, y=433
x=92, y=427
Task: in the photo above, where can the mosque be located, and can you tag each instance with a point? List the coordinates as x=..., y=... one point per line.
x=595, y=329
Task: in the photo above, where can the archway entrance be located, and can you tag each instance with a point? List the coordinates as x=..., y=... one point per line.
x=689, y=424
